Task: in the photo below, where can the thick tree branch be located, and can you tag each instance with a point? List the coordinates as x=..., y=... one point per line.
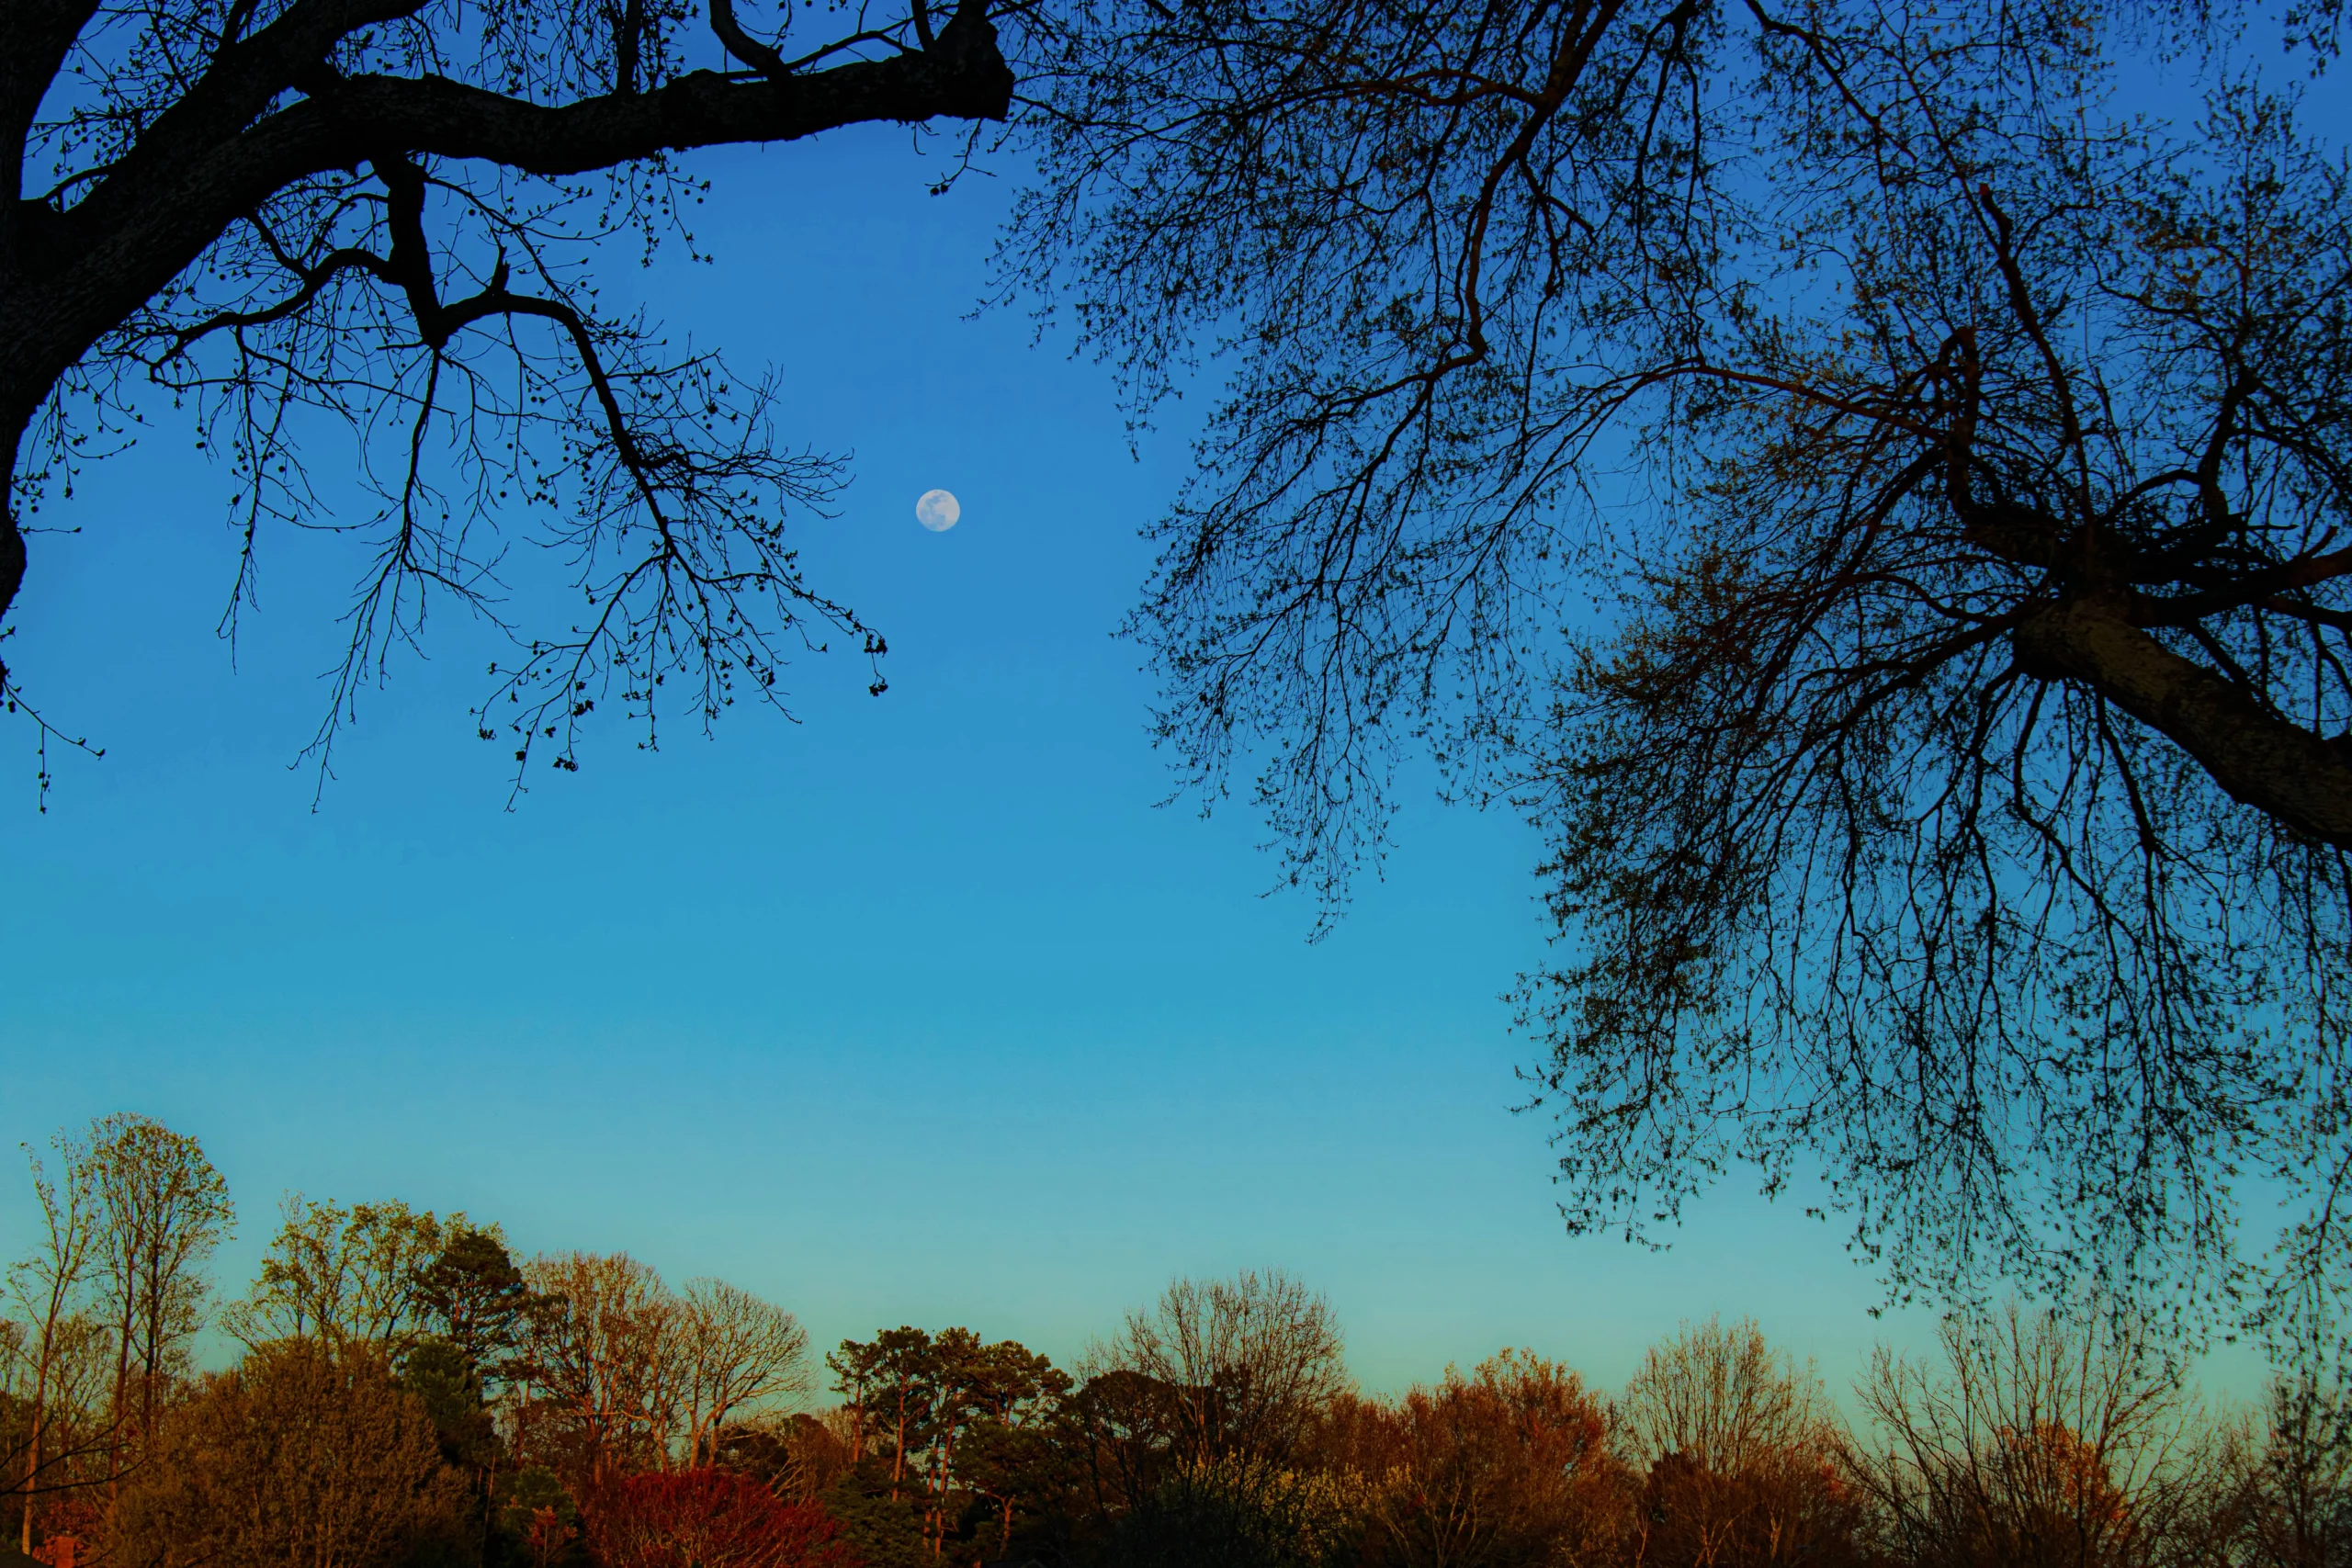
x=34, y=38
x=139, y=229
x=2251, y=588
x=743, y=45
x=2258, y=757
x=243, y=79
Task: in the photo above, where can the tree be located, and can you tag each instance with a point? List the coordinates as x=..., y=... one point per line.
x=1723, y=1396
x=1016, y=1456
x=619, y=1372
x=976, y=1424
x=340, y=1274
x=1739, y=1451
x=600, y=1388
x=1246, y=1364
x=164, y=1209
x=539, y=1519
x=474, y=1298
x=74, y=1422
x=303, y=1454
x=1124, y=1421
x=49, y=1287
x=1509, y=1467
x=2288, y=1478
x=890, y=1386
x=1875, y=503
x=744, y=1355
x=946, y=1374
x=2051, y=1440
x=710, y=1519
x=376, y=217
x=470, y=1307
x=916, y=1390
x=799, y=1457
x=434, y=1372
x=1228, y=1513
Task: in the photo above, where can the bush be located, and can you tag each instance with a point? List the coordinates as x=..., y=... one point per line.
x=301, y=1455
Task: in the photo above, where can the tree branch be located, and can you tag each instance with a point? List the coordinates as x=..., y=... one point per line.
x=144, y=224
x=2257, y=758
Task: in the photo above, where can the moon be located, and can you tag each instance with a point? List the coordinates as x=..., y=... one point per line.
x=936, y=509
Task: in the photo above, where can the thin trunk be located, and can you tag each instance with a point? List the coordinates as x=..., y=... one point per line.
x=939, y=1496
x=899, y=1445
x=39, y=1430
x=32, y=1466
x=119, y=1401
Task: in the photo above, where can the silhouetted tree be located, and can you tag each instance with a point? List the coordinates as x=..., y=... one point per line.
x=2288, y=1474
x=378, y=220
x=1242, y=1367
x=2047, y=1441
x=1125, y=1422
x=1879, y=505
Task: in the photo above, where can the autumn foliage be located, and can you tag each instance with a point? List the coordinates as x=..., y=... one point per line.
x=410, y=1395
x=708, y=1518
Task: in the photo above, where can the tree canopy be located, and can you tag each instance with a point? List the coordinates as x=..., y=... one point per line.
x=1870, y=483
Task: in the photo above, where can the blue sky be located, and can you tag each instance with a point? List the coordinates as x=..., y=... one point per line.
x=918, y=1010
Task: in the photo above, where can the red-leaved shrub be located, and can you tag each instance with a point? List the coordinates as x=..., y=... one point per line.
x=710, y=1519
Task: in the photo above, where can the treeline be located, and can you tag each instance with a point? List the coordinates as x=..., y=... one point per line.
x=409, y=1392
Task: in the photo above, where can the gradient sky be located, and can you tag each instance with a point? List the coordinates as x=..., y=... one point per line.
x=918, y=1010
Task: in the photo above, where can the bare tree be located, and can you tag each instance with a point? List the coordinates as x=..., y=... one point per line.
x=1244, y=1365
x=600, y=1379
x=2286, y=1478
x=2047, y=1439
x=1880, y=507
x=1737, y=1448
x=743, y=1357
x=375, y=220
x=1721, y=1396
x=49, y=1286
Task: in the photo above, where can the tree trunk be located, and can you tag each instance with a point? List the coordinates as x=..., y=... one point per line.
x=2268, y=762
